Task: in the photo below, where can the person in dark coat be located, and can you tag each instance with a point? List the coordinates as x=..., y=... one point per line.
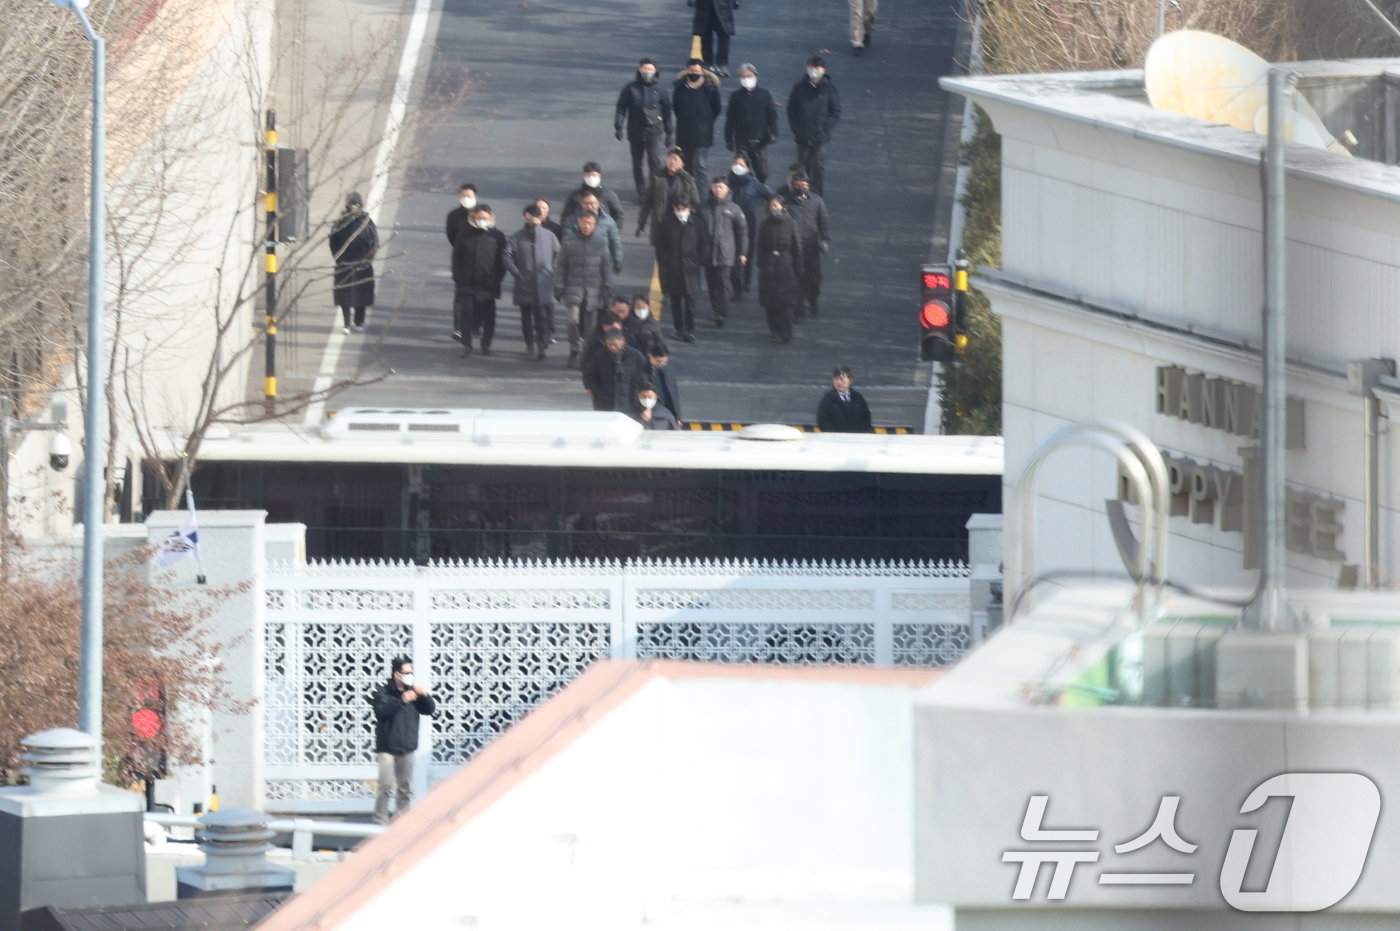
x=648, y=410
x=593, y=184
x=751, y=122
x=724, y=244
x=646, y=322
x=696, y=105
x=354, y=240
x=641, y=328
x=460, y=216
x=751, y=196
x=644, y=113
x=610, y=375
x=398, y=704
x=658, y=373
x=714, y=24
x=842, y=409
x=583, y=280
x=814, y=108
x=808, y=211
x=677, y=240
x=597, y=343
x=531, y=255
x=478, y=267
x=546, y=210
x=663, y=190
x=778, y=253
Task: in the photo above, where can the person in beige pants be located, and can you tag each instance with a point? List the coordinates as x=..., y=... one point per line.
x=862, y=23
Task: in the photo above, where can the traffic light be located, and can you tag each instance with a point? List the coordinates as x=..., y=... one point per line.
x=936, y=315
x=148, y=757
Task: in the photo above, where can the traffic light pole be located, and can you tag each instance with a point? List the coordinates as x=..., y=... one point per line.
x=270, y=266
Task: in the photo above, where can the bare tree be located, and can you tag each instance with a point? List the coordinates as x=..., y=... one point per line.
x=152, y=638
x=1084, y=35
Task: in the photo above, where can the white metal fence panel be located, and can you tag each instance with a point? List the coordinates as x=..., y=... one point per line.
x=495, y=639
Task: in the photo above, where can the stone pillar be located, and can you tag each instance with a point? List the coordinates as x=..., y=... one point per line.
x=232, y=548
x=66, y=840
x=235, y=842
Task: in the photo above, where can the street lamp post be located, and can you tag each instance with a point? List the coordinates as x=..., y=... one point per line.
x=95, y=456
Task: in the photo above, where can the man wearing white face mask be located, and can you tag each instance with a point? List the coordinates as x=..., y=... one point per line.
x=643, y=115
x=398, y=704
x=677, y=243
x=478, y=266
x=593, y=184
x=814, y=108
x=460, y=216
x=751, y=122
x=650, y=412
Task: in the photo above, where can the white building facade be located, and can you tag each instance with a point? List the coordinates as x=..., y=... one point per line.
x=1131, y=290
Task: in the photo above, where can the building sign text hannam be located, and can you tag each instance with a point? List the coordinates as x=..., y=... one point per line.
x=1227, y=498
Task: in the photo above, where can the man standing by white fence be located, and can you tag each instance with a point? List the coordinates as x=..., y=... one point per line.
x=397, y=706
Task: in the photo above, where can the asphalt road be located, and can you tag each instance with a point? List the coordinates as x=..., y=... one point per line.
x=541, y=79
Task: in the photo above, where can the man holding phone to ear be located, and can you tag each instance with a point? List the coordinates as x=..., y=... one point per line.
x=398, y=704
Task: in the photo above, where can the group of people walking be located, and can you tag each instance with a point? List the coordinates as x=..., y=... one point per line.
x=713, y=229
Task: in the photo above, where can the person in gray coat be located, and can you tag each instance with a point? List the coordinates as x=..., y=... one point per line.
x=607, y=227
x=724, y=243
x=583, y=277
x=530, y=258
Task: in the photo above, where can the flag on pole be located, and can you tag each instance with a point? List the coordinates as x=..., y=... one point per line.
x=183, y=543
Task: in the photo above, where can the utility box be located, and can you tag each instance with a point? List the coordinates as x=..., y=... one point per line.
x=66, y=839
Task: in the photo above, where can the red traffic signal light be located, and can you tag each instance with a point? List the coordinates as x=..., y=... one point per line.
x=147, y=723
x=936, y=341
x=935, y=315
x=147, y=757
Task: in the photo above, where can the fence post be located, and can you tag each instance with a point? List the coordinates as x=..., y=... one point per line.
x=624, y=632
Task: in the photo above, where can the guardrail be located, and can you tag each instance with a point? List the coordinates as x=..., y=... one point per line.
x=301, y=829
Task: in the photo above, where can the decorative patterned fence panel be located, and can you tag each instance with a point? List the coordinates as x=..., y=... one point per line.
x=495, y=639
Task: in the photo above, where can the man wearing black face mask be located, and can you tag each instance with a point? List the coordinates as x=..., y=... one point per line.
x=696, y=103
x=809, y=212
x=644, y=111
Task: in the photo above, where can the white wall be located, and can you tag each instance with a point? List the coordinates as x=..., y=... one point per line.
x=232, y=550
x=1111, y=203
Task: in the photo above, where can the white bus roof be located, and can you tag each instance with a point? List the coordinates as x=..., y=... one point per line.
x=589, y=439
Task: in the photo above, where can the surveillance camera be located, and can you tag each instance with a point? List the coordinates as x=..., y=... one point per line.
x=59, y=450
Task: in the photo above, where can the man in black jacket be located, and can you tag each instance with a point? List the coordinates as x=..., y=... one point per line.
x=809, y=212
x=610, y=375
x=842, y=408
x=814, y=108
x=696, y=104
x=398, y=704
x=478, y=266
x=751, y=122
x=658, y=374
x=460, y=216
x=644, y=111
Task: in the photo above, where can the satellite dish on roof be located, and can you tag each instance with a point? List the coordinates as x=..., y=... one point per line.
x=1207, y=76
